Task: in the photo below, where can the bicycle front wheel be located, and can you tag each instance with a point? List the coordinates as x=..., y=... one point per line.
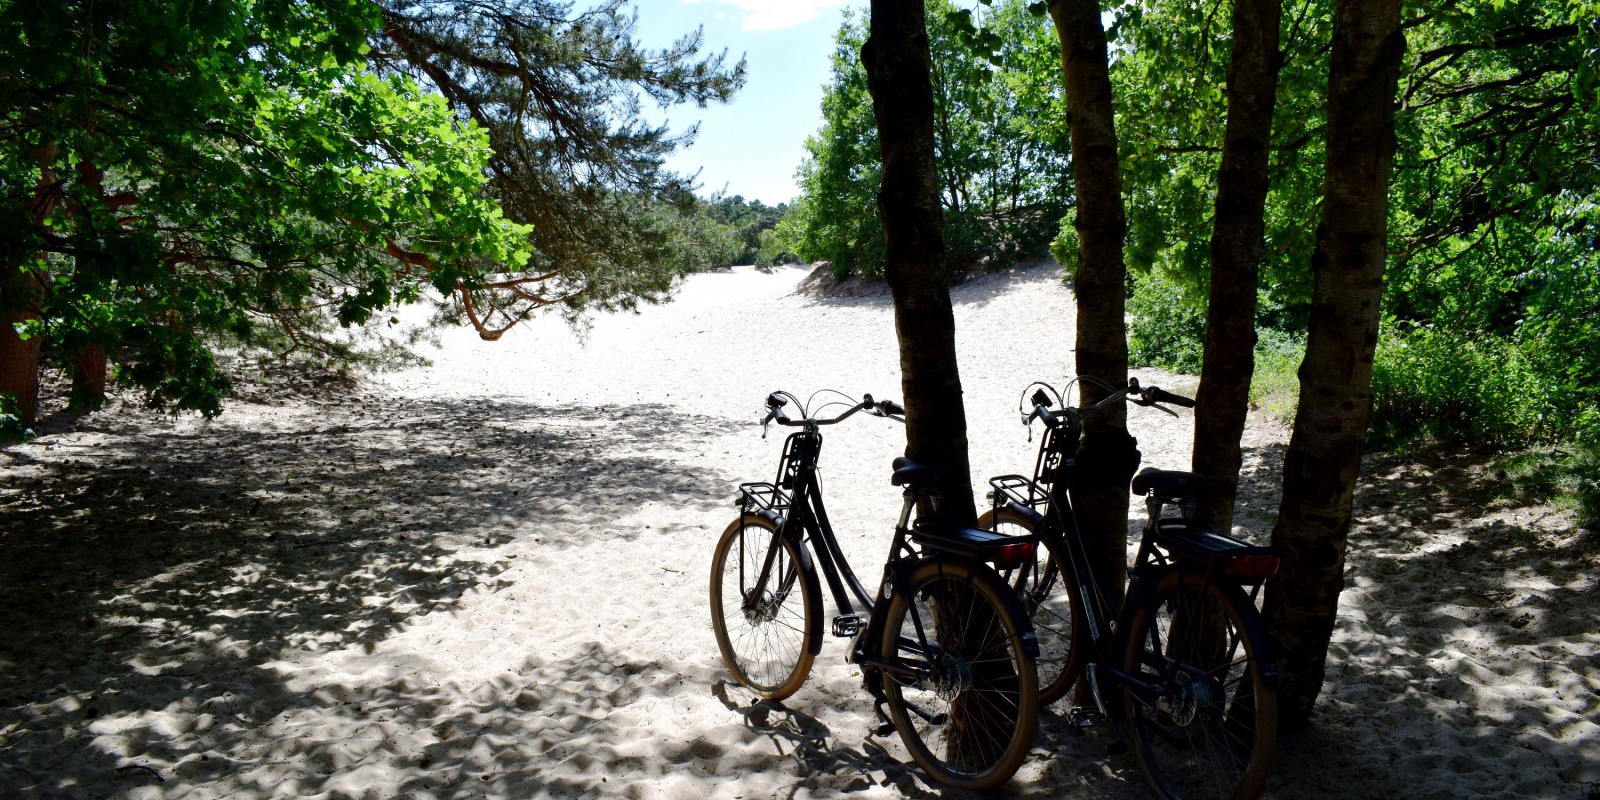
x=763, y=628
x=1201, y=718
x=961, y=690
x=1050, y=596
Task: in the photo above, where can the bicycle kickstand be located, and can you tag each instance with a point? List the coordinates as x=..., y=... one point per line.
x=875, y=688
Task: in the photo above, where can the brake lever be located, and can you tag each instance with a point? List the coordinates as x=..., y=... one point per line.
x=1154, y=404
x=766, y=422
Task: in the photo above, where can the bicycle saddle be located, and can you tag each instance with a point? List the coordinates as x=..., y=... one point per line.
x=1164, y=483
x=908, y=472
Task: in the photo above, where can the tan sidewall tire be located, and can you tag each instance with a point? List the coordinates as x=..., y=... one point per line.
x=1028, y=721
x=1265, y=746
x=1053, y=682
x=808, y=586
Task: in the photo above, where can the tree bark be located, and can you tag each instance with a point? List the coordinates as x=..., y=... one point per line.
x=20, y=294
x=899, y=67
x=1238, y=226
x=88, y=380
x=1107, y=457
x=1324, y=454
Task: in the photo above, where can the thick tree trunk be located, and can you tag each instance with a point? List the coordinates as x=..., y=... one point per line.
x=1324, y=454
x=1107, y=458
x=20, y=294
x=898, y=76
x=1236, y=239
x=88, y=380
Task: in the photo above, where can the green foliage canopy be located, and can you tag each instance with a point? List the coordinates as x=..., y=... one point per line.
x=1494, y=198
x=559, y=94
x=173, y=173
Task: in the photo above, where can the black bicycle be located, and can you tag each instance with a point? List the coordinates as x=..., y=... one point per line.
x=943, y=644
x=1184, y=646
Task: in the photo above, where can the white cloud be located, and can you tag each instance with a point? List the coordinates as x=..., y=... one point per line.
x=777, y=15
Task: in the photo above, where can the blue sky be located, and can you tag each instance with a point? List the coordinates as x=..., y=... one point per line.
x=752, y=145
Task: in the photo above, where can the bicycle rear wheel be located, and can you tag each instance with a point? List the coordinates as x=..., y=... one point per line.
x=961, y=690
x=763, y=632
x=1050, y=596
x=1207, y=728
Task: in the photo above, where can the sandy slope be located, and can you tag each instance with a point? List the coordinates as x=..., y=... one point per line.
x=486, y=578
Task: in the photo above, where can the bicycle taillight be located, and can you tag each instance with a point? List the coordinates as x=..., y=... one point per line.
x=1251, y=569
x=1012, y=555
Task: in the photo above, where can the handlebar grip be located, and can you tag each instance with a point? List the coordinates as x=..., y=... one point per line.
x=891, y=407
x=1042, y=411
x=1156, y=395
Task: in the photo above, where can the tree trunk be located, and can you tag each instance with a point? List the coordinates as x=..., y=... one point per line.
x=1324, y=456
x=88, y=380
x=1107, y=457
x=1236, y=240
x=898, y=69
x=20, y=295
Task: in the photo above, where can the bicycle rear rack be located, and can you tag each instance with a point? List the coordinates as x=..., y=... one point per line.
x=1019, y=489
x=1005, y=552
x=1242, y=561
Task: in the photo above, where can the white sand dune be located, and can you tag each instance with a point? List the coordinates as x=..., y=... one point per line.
x=487, y=579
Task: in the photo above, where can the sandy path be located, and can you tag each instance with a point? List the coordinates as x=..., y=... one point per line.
x=486, y=579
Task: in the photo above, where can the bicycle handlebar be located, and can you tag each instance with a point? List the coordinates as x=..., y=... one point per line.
x=1148, y=396
x=776, y=401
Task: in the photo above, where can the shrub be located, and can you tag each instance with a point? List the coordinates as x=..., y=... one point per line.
x=1452, y=387
x=1275, y=385
x=1165, y=328
x=11, y=427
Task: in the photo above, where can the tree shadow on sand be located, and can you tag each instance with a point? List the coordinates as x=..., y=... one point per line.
x=154, y=580
x=1464, y=663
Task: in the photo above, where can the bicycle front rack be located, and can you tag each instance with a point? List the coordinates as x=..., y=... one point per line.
x=762, y=497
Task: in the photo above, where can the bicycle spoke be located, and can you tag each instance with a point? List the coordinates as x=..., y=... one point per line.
x=1202, y=731
x=762, y=626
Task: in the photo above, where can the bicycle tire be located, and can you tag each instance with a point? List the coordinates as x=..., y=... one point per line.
x=1049, y=593
x=767, y=645
x=970, y=716
x=1210, y=732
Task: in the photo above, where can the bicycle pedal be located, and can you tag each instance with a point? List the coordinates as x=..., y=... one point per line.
x=847, y=625
x=1081, y=717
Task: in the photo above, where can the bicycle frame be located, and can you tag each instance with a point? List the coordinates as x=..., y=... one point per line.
x=1054, y=488
x=802, y=518
x=1050, y=500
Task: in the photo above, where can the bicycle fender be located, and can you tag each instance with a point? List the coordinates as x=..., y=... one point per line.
x=1256, y=628
x=771, y=516
x=1033, y=516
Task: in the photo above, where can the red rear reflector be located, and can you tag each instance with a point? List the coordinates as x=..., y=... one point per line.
x=1252, y=569
x=1011, y=556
